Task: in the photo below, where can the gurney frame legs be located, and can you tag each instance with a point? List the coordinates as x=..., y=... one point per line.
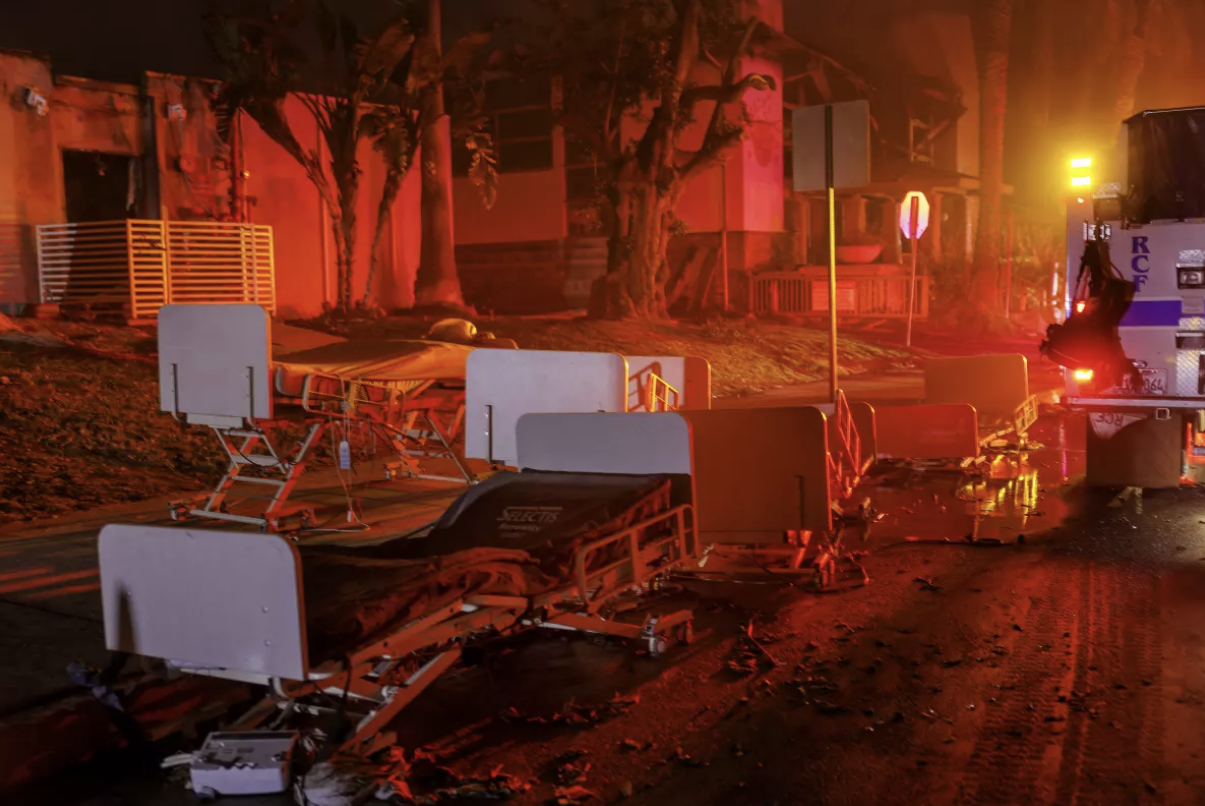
x=422, y=428
x=240, y=445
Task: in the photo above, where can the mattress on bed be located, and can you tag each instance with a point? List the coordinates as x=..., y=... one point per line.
x=401, y=363
x=544, y=514
x=515, y=534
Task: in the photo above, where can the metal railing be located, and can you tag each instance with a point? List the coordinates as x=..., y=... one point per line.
x=137, y=266
x=845, y=451
x=654, y=392
x=806, y=294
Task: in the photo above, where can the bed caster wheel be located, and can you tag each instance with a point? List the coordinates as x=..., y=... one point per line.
x=686, y=634
x=205, y=794
x=658, y=645
x=308, y=520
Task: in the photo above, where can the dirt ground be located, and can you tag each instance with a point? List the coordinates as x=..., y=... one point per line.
x=1063, y=666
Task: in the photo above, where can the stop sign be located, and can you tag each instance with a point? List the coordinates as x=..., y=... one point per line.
x=922, y=216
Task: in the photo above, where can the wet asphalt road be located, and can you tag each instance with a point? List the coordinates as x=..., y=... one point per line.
x=1064, y=668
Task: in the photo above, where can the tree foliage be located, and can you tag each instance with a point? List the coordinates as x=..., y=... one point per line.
x=631, y=96
x=353, y=85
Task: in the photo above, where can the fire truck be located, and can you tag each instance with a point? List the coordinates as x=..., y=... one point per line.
x=1133, y=340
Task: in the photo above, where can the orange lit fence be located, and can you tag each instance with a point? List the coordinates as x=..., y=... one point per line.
x=807, y=295
x=137, y=266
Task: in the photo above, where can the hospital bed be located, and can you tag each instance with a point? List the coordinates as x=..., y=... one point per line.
x=364, y=630
x=216, y=369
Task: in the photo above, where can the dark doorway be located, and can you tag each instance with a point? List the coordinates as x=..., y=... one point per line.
x=100, y=187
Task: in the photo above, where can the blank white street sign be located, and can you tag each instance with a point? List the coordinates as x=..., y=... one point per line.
x=851, y=146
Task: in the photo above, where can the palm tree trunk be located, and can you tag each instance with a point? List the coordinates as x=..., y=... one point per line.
x=993, y=103
x=437, y=280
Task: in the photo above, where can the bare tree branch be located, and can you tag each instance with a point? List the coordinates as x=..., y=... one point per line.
x=711, y=153
x=725, y=93
x=717, y=114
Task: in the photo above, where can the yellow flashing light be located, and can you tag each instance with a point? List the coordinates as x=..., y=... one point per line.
x=1083, y=375
x=1081, y=162
x=1081, y=181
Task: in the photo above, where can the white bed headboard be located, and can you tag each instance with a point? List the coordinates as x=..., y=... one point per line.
x=503, y=385
x=690, y=376
x=228, y=600
x=215, y=361
x=635, y=442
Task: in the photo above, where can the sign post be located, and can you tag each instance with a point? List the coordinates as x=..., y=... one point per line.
x=830, y=195
x=914, y=220
x=841, y=133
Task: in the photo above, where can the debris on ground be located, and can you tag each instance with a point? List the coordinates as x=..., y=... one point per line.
x=568, y=769
x=686, y=760
x=452, y=788
x=752, y=652
x=574, y=714
x=927, y=584
x=571, y=795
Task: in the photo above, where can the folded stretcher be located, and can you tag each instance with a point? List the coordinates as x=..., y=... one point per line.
x=216, y=369
x=371, y=627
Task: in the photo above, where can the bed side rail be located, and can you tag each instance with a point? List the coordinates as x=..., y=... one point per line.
x=688, y=377
x=204, y=599
x=644, y=550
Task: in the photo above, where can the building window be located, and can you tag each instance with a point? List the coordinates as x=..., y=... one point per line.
x=520, y=122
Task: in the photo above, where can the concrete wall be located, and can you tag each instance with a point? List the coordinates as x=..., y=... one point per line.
x=530, y=207
x=191, y=171
x=26, y=164
x=194, y=164
x=85, y=116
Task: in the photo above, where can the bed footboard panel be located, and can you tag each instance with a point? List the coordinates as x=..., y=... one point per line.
x=209, y=599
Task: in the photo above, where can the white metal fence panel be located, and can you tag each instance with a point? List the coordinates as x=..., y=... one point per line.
x=138, y=266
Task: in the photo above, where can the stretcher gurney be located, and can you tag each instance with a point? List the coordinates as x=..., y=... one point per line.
x=216, y=369
x=371, y=627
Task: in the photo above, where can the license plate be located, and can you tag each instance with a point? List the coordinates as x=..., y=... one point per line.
x=1154, y=382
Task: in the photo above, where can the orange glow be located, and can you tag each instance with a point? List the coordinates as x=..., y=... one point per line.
x=1083, y=375
x=1079, y=306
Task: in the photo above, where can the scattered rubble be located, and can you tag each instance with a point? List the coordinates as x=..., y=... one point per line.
x=574, y=714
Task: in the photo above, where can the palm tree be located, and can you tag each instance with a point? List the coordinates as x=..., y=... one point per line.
x=437, y=280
